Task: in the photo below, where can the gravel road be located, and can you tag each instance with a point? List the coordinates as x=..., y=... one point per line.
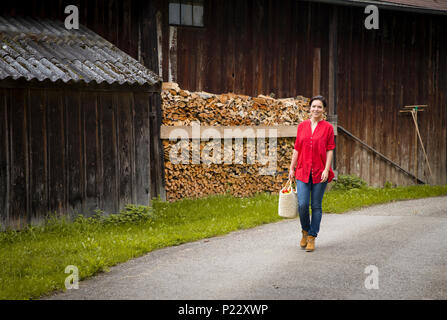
x=405, y=242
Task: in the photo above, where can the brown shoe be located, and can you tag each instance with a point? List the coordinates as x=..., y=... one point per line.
x=310, y=244
x=303, y=242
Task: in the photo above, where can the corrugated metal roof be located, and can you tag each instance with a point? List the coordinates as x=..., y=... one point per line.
x=423, y=6
x=46, y=50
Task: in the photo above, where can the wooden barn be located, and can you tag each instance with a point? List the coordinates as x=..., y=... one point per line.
x=292, y=48
x=79, y=123
x=288, y=48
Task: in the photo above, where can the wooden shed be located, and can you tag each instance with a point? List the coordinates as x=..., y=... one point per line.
x=79, y=121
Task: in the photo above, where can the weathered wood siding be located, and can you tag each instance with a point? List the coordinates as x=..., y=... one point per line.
x=263, y=46
x=379, y=72
x=73, y=151
x=251, y=47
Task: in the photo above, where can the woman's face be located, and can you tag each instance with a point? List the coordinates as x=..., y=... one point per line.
x=316, y=109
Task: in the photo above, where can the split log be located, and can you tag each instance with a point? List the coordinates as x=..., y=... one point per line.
x=185, y=179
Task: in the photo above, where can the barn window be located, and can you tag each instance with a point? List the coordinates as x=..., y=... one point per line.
x=186, y=13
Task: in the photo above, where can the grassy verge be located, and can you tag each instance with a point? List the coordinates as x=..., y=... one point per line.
x=33, y=261
x=338, y=201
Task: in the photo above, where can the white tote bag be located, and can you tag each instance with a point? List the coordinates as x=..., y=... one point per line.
x=288, y=201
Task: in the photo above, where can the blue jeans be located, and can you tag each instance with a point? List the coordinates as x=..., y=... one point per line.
x=306, y=191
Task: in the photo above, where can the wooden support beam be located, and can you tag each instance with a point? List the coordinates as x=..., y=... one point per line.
x=172, y=77
x=332, y=74
x=160, y=43
x=332, y=98
x=316, y=72
x=240, y=131
x=378, y=153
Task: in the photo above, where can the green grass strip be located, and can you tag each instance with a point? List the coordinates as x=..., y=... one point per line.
x=33, y=261
x=339, y=201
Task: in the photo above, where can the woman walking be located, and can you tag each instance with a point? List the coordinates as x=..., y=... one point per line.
x=311, y=167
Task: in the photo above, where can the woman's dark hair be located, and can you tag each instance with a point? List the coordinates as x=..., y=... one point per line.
x=321, y=98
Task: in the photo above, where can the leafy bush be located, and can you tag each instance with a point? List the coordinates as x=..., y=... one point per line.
x=388, y=185
x=348, y=182
x=131, y=214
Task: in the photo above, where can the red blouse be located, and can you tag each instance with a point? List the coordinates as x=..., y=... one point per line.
x=312, y=150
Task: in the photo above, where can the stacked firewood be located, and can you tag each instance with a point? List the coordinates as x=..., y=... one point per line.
x=185, y=179
x=181, y=107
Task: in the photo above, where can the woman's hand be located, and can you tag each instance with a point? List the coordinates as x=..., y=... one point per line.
x=324, y=175
x=291, y=174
